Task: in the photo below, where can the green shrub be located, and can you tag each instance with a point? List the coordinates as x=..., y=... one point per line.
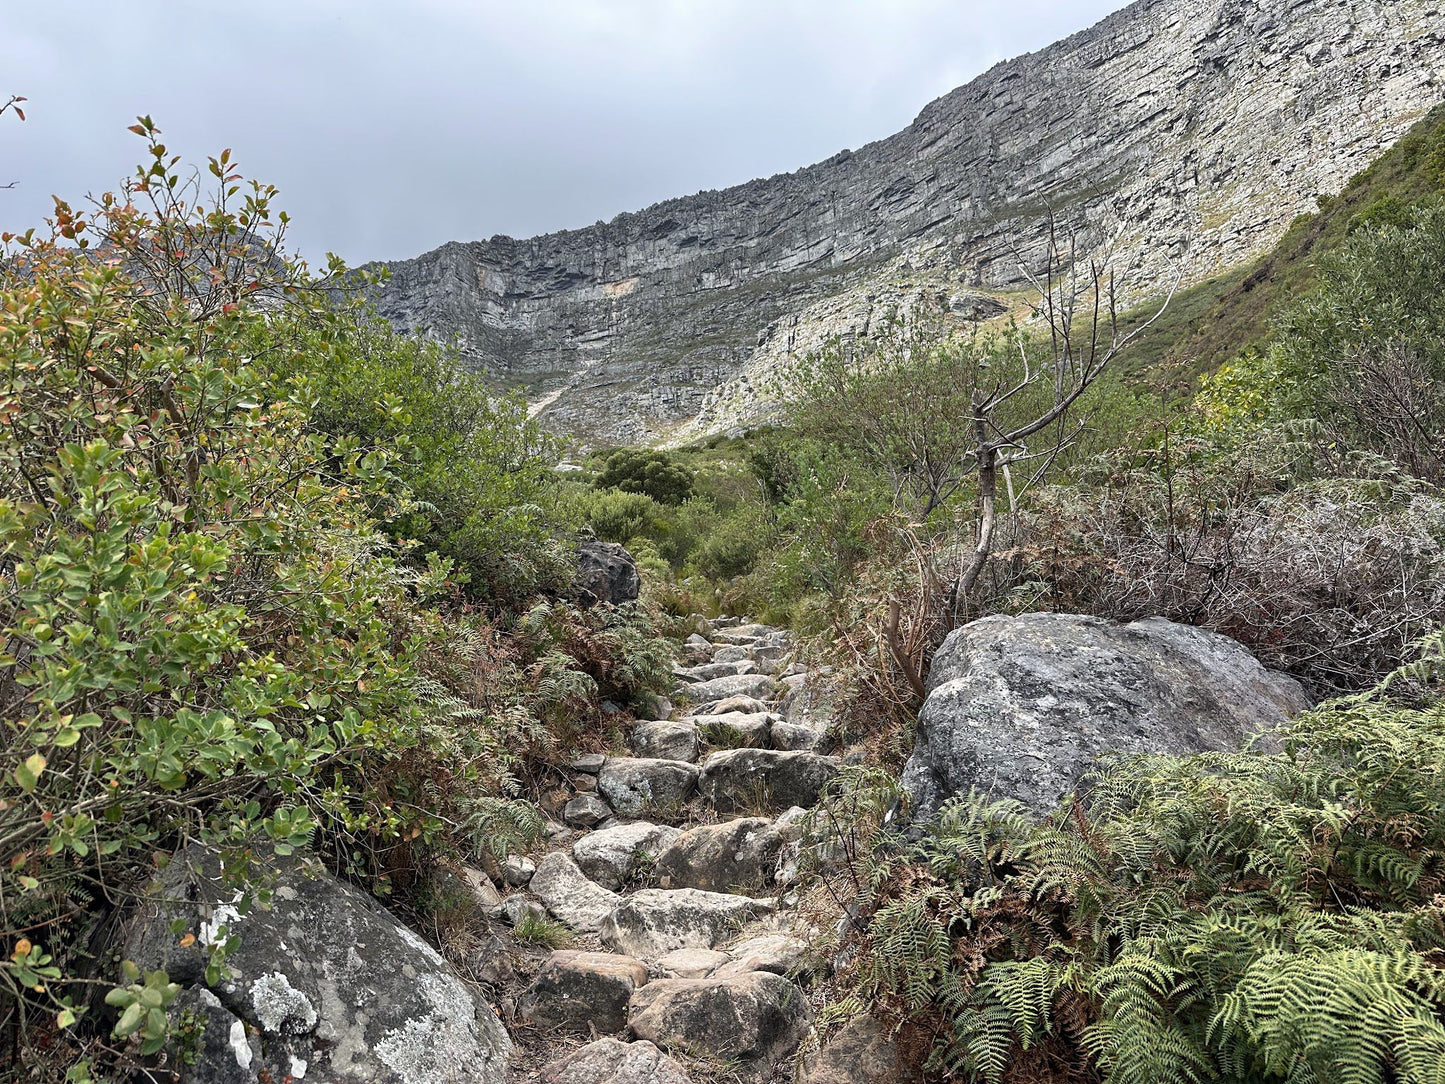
x=615, y=516
x=648, y=471
x=206, y=637
x=479, y=470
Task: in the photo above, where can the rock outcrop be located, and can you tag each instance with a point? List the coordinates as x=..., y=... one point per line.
x=325, y=985
x=607, y=573
x=1183, y=134
x=1019, y=707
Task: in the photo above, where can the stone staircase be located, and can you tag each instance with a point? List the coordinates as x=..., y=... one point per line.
x=675, y=870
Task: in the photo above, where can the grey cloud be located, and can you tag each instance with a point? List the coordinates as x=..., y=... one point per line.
x=393, y=127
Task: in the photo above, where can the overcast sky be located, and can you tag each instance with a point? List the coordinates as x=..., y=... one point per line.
x=394, y=125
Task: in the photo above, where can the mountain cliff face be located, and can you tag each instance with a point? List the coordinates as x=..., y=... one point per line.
x=1177, y=136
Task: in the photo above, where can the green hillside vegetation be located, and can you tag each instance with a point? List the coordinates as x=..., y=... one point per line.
x=1265, y=461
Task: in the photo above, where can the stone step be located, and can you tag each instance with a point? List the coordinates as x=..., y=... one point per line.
x=654, y=922
x=671, y=740
x=710, y=671
x=611, y=856
x=757, y=686
x=647, y=786
x=735, y=856
x=754, y=1021
x=753, y=780
x=611, y=1061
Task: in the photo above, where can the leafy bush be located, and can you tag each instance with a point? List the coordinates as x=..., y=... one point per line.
x=207, y=637
x=615, y=516
x=1365, y=354
x=648, y=471
x=1250, y=916
x=478, y=469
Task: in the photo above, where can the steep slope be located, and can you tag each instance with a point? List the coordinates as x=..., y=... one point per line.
x=1220, y=317
x=1180, y=136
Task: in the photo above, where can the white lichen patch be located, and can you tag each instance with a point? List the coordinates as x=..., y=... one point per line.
x=298, y=1067
x=280, y=1008
x=239, y=1046
x=223, y=918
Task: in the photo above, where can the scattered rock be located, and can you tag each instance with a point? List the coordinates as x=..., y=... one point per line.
x=1019, y=707
x=580, y=991
x=585, y=810
x=297, y=992
x=665, y=740
x=569, y=895
x=742, y=634
x=755, y=1020
x=609, y=857
x=639, y=787
x=730, y=654
x=656, y=707
x=742, y=780
x=608, y=1061
x=606, y=573
x=745, y=705
x=736, y=729
x=692, y=963
x=861, y=1053
x=651, y=923
x=517, y=870
x=464, y=886
x=516, y=909
x=711, y=670
x=789, y=737
x=591, y=763
x=738, y=855
x=779, y=953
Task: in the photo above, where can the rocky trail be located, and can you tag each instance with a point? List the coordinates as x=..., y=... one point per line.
x=661, y=932
x=675, y=867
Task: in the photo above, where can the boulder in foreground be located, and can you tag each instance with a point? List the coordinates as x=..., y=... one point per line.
x=1019, y=707
x=325, y=985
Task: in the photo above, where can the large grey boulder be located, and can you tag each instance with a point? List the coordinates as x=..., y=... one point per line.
x=607, y=573
x=734, y=856
x=647, y=786
x=1019, y=707
x=609, y=856
x=654, y=922
x=569, y=894
x=754, y=1021
x=610, y=1061
x=325, y=984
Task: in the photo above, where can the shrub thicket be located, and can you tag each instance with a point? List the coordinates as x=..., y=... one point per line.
x=227, y=616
